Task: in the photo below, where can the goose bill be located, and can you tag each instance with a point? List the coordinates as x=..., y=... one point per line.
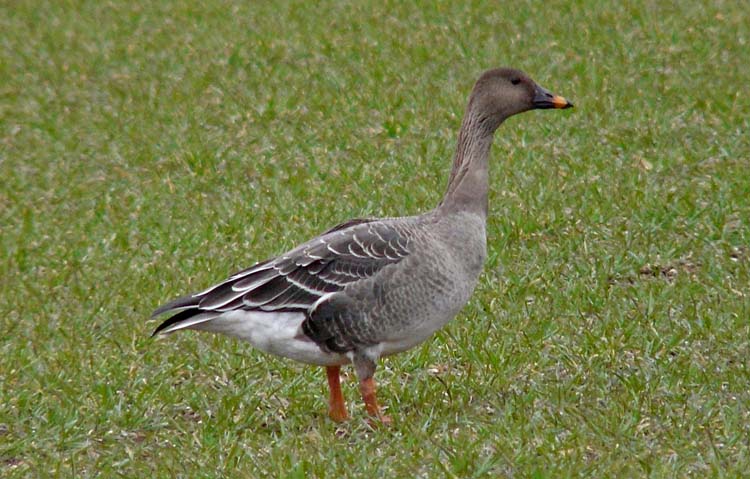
x=544, y=99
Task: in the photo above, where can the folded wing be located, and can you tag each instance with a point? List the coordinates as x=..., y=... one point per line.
x=295, y=281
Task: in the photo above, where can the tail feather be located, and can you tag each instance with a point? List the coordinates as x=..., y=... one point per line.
x=185, y=319
x=185, y=302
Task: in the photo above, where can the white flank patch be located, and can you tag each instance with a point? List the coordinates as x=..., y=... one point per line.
x=275, y=333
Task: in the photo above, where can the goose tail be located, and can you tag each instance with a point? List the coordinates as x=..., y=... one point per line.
x=188, y=314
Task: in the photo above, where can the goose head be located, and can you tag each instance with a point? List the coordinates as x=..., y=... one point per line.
x=504, y=92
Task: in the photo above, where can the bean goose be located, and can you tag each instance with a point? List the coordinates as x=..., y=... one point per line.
x=369, y=288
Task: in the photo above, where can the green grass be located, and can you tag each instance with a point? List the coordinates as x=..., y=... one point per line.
x=149, y=150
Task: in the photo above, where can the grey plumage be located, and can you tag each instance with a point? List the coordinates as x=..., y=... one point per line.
x=371, y=287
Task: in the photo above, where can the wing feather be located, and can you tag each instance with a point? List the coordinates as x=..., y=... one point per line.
x=267, y=292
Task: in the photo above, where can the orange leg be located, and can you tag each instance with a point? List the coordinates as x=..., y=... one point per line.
x=336, y=406
x=367, y=388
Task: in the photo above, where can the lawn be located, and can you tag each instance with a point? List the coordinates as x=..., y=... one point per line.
x=148, y=150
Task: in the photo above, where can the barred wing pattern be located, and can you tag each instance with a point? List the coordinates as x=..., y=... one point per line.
x=295, y=281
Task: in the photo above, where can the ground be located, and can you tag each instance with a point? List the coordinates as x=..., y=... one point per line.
x=148, y=150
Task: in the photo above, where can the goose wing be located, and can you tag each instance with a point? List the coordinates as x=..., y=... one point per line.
x=296, y=280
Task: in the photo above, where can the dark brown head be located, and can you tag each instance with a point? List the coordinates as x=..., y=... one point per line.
x=504, y=92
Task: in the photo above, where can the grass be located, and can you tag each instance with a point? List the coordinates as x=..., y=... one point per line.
x=147, y=150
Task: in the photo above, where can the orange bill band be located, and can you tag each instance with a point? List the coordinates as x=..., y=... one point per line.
x=560, y=102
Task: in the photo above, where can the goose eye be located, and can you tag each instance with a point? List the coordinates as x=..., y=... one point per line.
x=516, y=81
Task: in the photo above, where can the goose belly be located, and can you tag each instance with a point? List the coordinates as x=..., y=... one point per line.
x=419, y=332
x=424, y=309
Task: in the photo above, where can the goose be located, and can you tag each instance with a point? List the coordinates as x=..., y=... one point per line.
x=369, y=288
